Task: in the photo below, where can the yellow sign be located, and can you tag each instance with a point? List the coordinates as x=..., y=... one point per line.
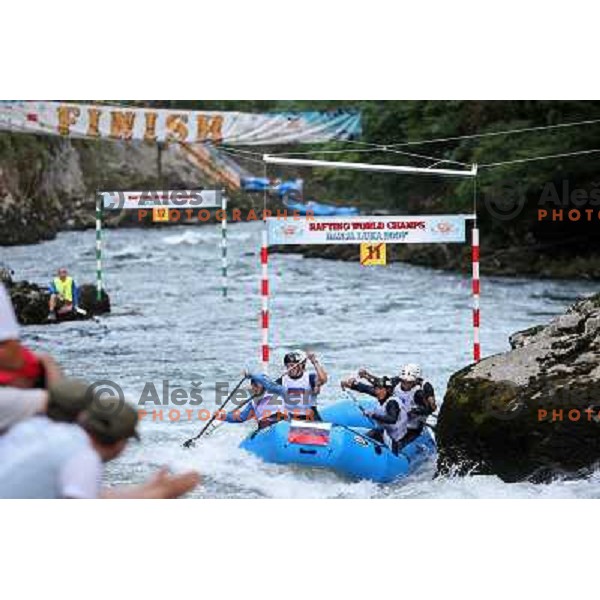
x=160, y=214
x=372, y=254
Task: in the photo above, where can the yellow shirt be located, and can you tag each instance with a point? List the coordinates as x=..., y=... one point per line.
x=64, y=288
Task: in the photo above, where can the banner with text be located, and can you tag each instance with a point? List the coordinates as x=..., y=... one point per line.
x=156, y=199
x=168, y=125
x=357, y=230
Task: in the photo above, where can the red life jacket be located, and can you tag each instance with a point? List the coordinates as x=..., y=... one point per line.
x=31, y=369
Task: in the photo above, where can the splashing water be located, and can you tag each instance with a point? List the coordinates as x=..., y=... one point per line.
x=169, y=322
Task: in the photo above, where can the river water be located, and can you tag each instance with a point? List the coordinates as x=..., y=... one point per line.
x=170, y=322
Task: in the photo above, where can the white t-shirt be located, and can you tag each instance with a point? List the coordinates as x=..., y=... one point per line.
x=17, y=405
x=9, y=328
x=43, y=459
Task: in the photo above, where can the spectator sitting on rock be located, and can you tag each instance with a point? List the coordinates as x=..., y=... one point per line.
x=63, y=295
x=19, y=366
x=55, y=447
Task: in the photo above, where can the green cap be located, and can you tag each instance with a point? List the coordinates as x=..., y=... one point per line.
x=110, y=420
x=67, y=398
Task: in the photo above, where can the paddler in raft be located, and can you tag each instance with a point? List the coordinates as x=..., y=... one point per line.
x=301, y=387
x=266, y=403
x=403, y=397
x=418, y=396
x=63, y=295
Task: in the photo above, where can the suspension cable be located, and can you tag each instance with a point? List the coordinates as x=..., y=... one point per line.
x=537, y=158
x=496, y=133
x=372, y=147
x=237, y=154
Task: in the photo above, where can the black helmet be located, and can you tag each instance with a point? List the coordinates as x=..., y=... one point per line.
x=293, y=358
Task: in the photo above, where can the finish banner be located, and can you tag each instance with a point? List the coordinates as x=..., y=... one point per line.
x=166, y=125
x=357, y=230
x=152, y=199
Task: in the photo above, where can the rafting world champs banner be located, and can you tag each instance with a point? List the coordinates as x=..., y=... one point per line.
x=358, y=230
x=167, y=125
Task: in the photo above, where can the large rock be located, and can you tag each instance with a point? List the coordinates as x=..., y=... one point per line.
x=532, y=412
x=31, y=302
x=48, y=184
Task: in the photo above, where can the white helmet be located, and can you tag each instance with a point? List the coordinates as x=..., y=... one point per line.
x=410, y=372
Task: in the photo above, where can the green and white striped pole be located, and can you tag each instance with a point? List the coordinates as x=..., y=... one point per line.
x=98, y=246
x=224, y=243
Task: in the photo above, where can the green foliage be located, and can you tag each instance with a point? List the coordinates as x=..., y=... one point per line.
x=397, y=122
x=24, y=158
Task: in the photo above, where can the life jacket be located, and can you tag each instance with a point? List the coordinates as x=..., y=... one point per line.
x=417, y=416
x=31, y=370
x=64, y=288
x=268, y=405
x=407, y=398
x=393, y=432
x=299, y=394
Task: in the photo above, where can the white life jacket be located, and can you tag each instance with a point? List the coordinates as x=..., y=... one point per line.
x=415, y=421
x=268, y=405
x=408, y=399
x=299, y=396
x=393, y=432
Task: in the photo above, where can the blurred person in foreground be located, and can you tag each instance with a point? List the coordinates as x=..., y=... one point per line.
x=58, y=450
x=19, y=366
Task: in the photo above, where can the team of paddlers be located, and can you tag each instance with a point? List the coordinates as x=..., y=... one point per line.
x=55, y=436
x=404, y=401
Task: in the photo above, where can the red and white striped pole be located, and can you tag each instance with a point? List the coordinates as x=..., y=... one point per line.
x=264, y=293
x=476, y=289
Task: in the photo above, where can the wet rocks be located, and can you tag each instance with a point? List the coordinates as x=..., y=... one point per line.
x=532, y=412
x=30, y=302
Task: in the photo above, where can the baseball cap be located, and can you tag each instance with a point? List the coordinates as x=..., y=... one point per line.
x=110, y=420
x=67, y=398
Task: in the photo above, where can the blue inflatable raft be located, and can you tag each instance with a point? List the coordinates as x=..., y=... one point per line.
x=341, y=446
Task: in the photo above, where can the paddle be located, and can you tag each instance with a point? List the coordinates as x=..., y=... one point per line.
x=220, y=423
x=190, y=442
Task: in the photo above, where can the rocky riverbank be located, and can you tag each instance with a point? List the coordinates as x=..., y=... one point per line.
x=30, y=301
x=532, y=412
x=49, y=184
